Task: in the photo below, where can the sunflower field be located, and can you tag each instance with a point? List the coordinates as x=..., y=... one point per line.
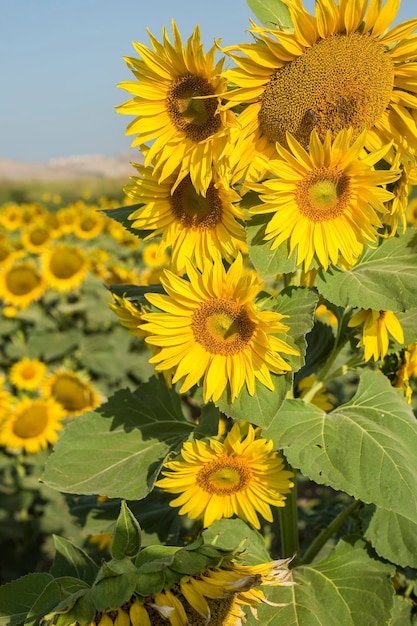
x=208, y=393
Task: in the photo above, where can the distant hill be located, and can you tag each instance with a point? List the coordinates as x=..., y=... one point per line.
x=85, y=166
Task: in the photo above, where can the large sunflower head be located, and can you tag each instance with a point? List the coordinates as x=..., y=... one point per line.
x=21, y=283
x=36, y=238
x=32, y=424
x=210, y=329
x=240, y=476
x=342, y=68
x=64, y=266
x=327, y=203
x=176, y=97
x=73, y=392
x=194, y=226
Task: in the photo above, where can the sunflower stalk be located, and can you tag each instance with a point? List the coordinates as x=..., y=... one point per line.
x=288, y=522
x=327, y=533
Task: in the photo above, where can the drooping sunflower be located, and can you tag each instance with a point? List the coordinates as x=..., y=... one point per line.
x=338, y=69
x=194, y=226
x=64, y=266
x=73, y=392
x=176, y=104
x=209, y=328
x=240, y=476
x=326, y=202
x=32, y=424
x=21, y=283
x=27, y=374
x=130, y=315
x=376, y=328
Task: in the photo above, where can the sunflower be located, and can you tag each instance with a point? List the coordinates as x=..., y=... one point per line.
x=11, y=216
x=240, y=476
x=129, y=314
x=210, y=329
x=325, y=202
x=194, y=226
x=339, y=69
x=6, y=399
x=32, y=424
x=21, y=283
x=176, y=99
x=153, y=257
x=321, y=396
x=36, y=238
x=64, y=266
x=74, y=393
x=27, y=374
x=89, y=224
x=376, y=327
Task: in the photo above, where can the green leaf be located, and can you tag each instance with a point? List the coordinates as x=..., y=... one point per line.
x=363, y=447
x=18, y=597
x=60, y=595
x=401, y=613
x=267, y=262
x=208, y=422
x=348, y=588
x=392, y=536
x=271, y=13
x=384, y=278
x=119, y=449
x=121, y=215
x=263, y=407
x=126, y=536
x=70, y=560
x=113, y=591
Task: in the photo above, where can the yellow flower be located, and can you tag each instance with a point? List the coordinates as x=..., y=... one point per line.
x=324, y=203
x=6, y=400
x=103, y=541
x=241, y=476
x=32, y=424
x=376, y=326
x=339, y=69
x=320, y=397
x=189, y=134
x=74, y=393
x=211, y=330
x=194, y=226
x=27, y=374
x=64, y=266
x=153, y=257
x=89, y=224
x=412, y=212
x=11, y=217
x=36, y=238
x=326, y=316
x=67, y=218
x=21, y=283
x=129, y=314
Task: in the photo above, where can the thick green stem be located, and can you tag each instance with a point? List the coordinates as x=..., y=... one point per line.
x=326, y=534
x=288, y=522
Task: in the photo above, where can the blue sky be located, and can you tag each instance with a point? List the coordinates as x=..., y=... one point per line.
x=60, y=62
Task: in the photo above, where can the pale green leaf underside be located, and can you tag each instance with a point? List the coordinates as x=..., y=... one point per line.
x=384, y=279
x=393, y=536
x=272, y=13
x=348, y=588
x=365, y=447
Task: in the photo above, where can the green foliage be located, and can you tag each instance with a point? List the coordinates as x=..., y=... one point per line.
x=271, y=13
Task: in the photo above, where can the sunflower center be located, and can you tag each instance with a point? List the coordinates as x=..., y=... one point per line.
x=225, y=475
x=196, y=118
x=31, y=422
x=323, y=194
x=38, y=236
x=222, y=327
x=28, y=372
x=193, y=210
x=72, y=394
x=341, y=81
x=65, y=263
x=22, y=280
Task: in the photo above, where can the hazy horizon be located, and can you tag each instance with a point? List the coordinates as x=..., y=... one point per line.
x=61, y=62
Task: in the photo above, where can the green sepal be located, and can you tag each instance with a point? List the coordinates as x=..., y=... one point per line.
x=114, y=585
x=126, y=537
x=55, y=597
x=70, y=560
x=83, y=612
